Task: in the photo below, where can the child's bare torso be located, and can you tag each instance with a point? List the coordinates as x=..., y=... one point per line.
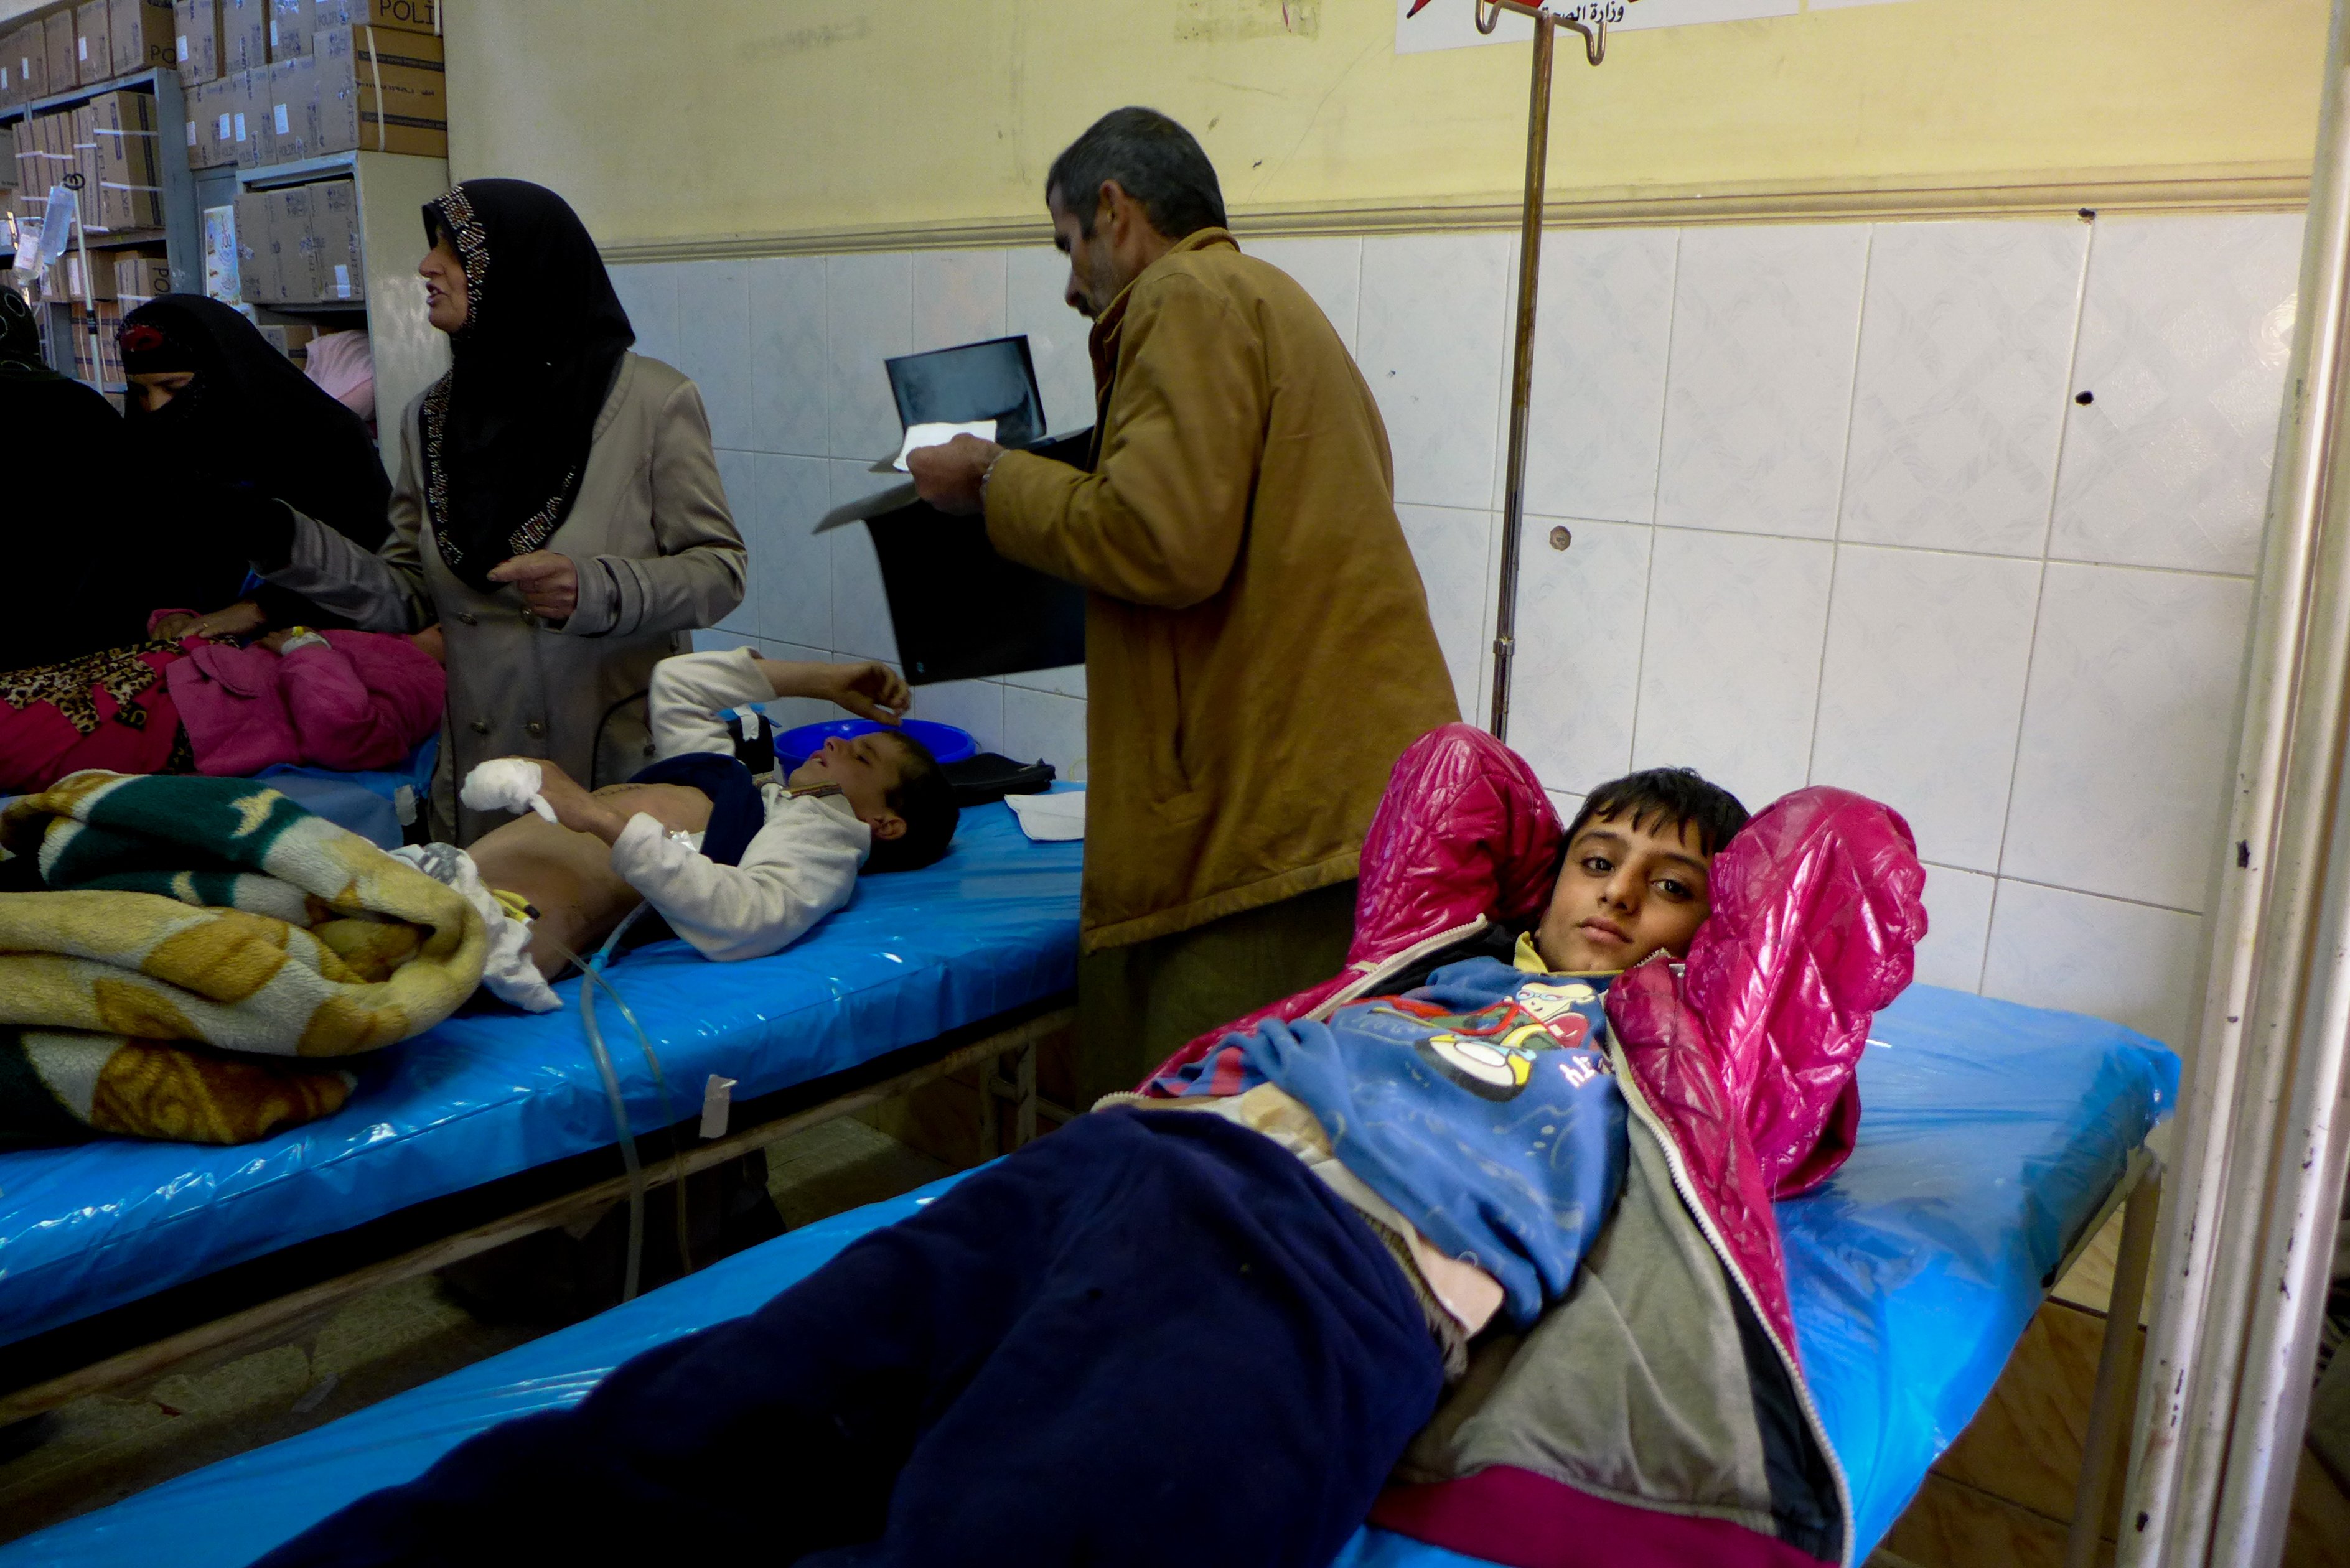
x=568, y=876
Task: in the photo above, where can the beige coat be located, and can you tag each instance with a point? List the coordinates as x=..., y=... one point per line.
x=1257, y=643
x=658, y=556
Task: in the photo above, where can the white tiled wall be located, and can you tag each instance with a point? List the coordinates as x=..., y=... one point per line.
x=1836, y=517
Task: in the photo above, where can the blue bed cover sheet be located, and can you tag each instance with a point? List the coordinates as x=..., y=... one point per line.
x=491, y=1092
x=375, y=804
x=1991, y=1132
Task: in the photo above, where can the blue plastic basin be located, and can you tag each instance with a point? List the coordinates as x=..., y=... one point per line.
x=947, y=743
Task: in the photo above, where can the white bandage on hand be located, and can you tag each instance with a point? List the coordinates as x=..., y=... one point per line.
x=507, y=783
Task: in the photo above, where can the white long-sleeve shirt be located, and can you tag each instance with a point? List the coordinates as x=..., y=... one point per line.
x=798, y=868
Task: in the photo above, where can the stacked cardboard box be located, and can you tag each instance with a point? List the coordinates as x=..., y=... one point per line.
x=335, y=223
x=196, y=41
x=57, y=34
x=112, y=143
x=125, y=162
x=23, y=65
x=141, y=275
x=141, y=33
x=93, y=45
x=382, y=89
x=244, y=35
x=290, y=95
x=331, y=86
x=292, y=341
x=298, y=245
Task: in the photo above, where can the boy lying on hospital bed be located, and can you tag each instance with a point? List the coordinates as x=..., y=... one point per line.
x=1207, y=1338
x=737, y=869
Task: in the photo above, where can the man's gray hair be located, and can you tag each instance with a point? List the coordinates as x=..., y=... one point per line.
x=1155, y=160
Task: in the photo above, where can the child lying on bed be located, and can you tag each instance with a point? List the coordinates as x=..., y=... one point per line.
x=737, y=869
x=1206, y=1338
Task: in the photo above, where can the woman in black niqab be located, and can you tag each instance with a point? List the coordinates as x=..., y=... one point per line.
x=507, y=431
x=246, y=431
x=78, y=534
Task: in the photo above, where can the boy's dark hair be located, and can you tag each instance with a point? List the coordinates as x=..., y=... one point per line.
x=1157, y=160
x=925, y=799
x=1670, y=796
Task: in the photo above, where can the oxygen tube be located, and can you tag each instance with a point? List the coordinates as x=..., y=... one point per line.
x=592, y=978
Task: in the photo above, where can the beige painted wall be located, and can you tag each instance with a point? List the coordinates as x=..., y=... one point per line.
x=763, y=119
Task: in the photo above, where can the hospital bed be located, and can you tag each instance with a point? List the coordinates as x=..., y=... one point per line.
x=118, y=1259
x=1994, y=1141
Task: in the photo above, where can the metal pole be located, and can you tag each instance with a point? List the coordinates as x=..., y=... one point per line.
x=2273, y=1008
x=1521, y=370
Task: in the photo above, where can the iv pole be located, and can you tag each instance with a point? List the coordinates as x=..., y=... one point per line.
x=1588, y=18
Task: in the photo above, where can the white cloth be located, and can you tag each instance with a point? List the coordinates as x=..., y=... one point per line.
x=507, y=970
x=507, y=783
x=799, y=867
x=1049, y=818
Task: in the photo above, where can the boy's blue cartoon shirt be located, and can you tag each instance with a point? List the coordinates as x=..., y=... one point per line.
x=1481, y=1106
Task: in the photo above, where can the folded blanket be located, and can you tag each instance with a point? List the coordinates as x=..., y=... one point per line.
x=213, y=911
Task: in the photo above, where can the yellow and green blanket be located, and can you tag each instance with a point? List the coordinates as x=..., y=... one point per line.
x=171, y=948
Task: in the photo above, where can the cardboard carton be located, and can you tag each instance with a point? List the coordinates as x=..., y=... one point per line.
x=196, y=40
x=381, y=90
x=222, y=100
x=111, y=313
x=97, y=283
x=58, y=153
x=57, y=33
x=409, y=16
x=29, y=44
x=138, y=276
x=294, y=240
x=256, y=263
x=12, y=74
x=85, y=161
x=128, y=160
x=85, y=347
x=200, y=126
x=244, y=35
x=291, y=339
x=245, y=97
x=93, y=49
x=142, y=32
x=293, y=114
x=335, y=221
x=291, y=22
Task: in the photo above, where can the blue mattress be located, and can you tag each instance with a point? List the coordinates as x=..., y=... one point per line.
x=376, y=804
x=1991, y=1132
x=992, y=926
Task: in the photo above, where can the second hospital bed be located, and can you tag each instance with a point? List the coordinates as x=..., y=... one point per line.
x=1993, y=1138
x=119, y=1257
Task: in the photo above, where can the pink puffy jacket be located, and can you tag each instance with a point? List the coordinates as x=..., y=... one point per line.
x=364, y=700
x=1748, y=1054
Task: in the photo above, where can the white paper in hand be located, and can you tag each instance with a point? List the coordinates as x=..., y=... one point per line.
x=939, y=435
x=1049, y=818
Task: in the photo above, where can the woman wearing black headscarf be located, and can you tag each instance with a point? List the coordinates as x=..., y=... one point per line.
x=73, y=593
x=558, y=509
x=225, y=426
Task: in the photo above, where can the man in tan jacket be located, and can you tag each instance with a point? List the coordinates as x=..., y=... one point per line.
x=1258, y=649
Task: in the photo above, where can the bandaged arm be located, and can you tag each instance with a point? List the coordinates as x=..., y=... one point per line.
x=691, y=689
x=799, y=867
